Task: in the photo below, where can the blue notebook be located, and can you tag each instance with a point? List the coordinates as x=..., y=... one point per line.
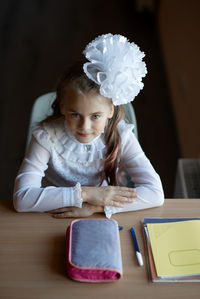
x=165, y=220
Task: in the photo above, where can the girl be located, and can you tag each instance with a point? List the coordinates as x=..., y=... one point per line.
x=75, y=156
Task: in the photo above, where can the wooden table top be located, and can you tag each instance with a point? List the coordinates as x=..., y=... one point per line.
x=32, y=257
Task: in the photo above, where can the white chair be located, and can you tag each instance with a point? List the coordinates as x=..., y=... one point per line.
x=42, y=108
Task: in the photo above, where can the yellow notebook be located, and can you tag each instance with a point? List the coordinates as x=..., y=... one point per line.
x=176, y=247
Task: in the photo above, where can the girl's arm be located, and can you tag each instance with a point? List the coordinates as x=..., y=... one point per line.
x=147, y=182
x=29, y=196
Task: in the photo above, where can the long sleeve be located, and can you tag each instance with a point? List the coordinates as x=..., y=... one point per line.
x=29, y=196
x=147, y=181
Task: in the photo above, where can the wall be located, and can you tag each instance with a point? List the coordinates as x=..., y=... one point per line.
x=38, y=38
x=179, y=26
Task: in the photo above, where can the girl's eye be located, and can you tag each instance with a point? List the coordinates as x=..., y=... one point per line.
x=95, y=116
x=74, y=115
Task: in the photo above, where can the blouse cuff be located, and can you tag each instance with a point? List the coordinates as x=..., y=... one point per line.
x=77, y=196
x=108, y=211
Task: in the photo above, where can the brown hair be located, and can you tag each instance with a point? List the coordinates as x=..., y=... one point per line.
x=77, y=79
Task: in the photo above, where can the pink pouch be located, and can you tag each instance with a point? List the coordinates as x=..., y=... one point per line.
x=93, y=252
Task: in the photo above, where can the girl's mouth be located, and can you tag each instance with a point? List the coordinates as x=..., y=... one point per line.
x=83, y=134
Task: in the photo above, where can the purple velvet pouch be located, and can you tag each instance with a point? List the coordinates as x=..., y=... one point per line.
x=93, y=252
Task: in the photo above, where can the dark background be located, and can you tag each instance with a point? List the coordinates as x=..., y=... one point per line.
x=39, y=37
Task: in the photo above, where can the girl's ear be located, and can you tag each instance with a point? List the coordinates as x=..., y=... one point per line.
x=111, y=111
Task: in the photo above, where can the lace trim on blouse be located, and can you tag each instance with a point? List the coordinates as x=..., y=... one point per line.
x=57, y=135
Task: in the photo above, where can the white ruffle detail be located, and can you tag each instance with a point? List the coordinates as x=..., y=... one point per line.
x=71, y=148
x=116, y=65
x=58, y=135
x=108, y=212
x=77, y=195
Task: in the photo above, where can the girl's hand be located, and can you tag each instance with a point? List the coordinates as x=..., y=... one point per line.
x=71, y=212
x=108, y=196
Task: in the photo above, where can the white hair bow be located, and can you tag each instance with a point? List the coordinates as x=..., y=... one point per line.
x=116, y=65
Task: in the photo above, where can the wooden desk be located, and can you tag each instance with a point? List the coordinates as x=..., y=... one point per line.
x=32, y=257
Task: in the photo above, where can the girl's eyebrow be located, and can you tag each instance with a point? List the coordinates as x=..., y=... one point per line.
x=74, y=111
x=98, y=112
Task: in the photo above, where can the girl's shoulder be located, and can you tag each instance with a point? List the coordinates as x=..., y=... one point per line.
x=125, y=129
x=48, y=133
x=129, y=140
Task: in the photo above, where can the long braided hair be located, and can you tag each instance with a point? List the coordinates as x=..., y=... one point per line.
x=77, y=79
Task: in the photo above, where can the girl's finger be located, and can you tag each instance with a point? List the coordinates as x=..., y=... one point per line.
x=126, y=189
x=123, y=199
x=62, y=215
x=59, y=211
x=116, y=204
x=127, y=193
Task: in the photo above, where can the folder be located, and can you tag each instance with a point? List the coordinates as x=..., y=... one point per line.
x=172, y=246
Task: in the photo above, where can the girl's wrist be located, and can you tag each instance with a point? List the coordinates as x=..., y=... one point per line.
x=84, y=194
x=98, y=209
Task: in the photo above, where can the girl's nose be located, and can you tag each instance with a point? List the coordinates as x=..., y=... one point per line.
x=85, y=124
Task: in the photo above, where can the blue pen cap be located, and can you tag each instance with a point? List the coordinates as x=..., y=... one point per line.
x=134, y=239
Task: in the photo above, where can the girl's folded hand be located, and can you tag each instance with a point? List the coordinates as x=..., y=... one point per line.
x=108, y=196
x=71, y=212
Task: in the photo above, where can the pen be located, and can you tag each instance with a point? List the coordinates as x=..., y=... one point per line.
x=137, y=251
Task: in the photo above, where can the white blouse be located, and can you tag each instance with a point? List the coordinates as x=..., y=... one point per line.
x=56, y=165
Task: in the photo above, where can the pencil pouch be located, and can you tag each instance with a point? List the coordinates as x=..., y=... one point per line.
x=93, y=252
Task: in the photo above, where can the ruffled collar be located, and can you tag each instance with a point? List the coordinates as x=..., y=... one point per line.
x=68, y=145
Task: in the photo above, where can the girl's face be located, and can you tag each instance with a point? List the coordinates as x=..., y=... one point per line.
x=86, y=114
